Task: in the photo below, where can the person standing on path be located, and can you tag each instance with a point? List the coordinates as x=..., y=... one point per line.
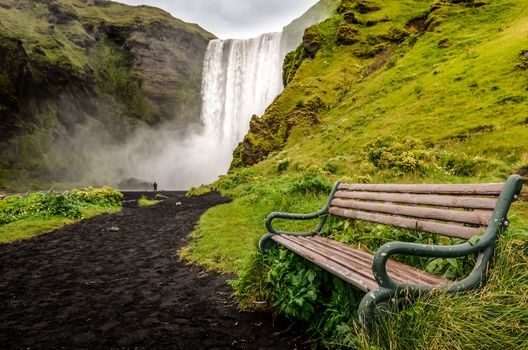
x=155, y=185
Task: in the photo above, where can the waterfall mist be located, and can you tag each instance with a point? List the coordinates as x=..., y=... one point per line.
x=240, y=78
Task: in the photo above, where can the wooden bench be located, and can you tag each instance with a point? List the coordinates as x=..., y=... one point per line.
x=461, y=211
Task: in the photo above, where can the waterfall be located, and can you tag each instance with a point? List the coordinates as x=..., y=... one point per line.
x=240, y=79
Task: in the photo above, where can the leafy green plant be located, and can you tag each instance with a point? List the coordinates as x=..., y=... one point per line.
x=407, y=155
x=311, y=183
x=67, y=204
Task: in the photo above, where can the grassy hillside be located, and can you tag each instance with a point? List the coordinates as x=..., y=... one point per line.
x=410, y=91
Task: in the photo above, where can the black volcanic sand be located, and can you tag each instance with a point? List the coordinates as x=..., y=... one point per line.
x=115, y=281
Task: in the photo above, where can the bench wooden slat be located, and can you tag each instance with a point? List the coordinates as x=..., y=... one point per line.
x=468, y=217
x=422, y=199
x=468, y=189
x=411, y=224
x=362, y=263
x=349, y=276
x=352, y=264
x=351, y=261
x=397, y=270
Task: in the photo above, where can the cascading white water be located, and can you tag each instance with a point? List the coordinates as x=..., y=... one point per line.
x=240, y=79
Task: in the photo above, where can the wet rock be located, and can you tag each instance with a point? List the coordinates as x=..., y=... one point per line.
x=350, y=17
x=361, y=6
x=366, y=6
x=311, y=42
x=60, y=14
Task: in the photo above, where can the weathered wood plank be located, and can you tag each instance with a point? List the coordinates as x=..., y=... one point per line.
x=408, y=223
x=468, y=189
x=357, y=261
x=400, y=272
x=347, y=275
x=353, y=262
x=422, y=199
x=468, y=217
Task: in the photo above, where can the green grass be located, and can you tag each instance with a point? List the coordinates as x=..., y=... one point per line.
x=432, y=111
x=23, y=217
x=228, y=234
x=31, y=227
x=145, y=202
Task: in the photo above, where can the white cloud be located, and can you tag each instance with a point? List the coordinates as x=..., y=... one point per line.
x=233, y=18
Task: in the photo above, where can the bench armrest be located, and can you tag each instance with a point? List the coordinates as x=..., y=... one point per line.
x=322, y=214
x=382, y=255
x=291, y=216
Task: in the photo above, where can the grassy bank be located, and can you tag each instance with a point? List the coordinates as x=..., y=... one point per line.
x=398, y=92
x=23, y=217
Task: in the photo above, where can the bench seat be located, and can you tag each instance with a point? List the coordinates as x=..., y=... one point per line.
x=351, y=264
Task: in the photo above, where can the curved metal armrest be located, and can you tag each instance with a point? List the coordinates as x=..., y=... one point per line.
x=379, y=263
x=279, y=215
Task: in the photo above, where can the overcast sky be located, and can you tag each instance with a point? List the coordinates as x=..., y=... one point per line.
x=234, y=19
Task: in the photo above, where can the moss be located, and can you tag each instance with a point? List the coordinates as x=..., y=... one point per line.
x=395, y=35
x=348, y=34
x=292, y=62
x=361, y=6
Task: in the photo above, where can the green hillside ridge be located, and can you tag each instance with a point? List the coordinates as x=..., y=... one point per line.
x=77, y=75
x=384, y=92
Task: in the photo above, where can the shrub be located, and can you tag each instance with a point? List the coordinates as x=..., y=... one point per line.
x=310, y=184
x=283, y=164
x=14, y=208
x=461, y=164
x=407, y=155
x=68, y=204
x=105, y=196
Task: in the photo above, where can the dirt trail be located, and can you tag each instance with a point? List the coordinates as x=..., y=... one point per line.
x=115, y=281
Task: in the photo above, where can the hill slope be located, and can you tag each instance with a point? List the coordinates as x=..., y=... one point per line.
x=409, y=91
x=452, y=76
x=76, y=75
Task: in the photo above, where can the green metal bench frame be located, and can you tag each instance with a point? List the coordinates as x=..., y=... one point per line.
x=388, y=289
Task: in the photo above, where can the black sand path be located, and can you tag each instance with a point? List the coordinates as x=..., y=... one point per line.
x=115, y=282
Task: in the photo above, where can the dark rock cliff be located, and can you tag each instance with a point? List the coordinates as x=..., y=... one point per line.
x=75, y=73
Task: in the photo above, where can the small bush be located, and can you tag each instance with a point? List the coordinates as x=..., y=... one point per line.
x=105, y=196
x=283, y=164
x=232, y=180
x=407, y=155
x=68, y=204
x=461, y=164
x=311, y=184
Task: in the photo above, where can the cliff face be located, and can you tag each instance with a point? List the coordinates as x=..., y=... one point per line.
x=79, y=73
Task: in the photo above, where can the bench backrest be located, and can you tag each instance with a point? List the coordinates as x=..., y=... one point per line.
x=460, y=211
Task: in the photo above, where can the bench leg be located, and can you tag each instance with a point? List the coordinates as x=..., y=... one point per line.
x=370, y=303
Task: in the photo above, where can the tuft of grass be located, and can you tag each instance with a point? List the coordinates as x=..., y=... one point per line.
x=145, y=202
x=34, y=226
